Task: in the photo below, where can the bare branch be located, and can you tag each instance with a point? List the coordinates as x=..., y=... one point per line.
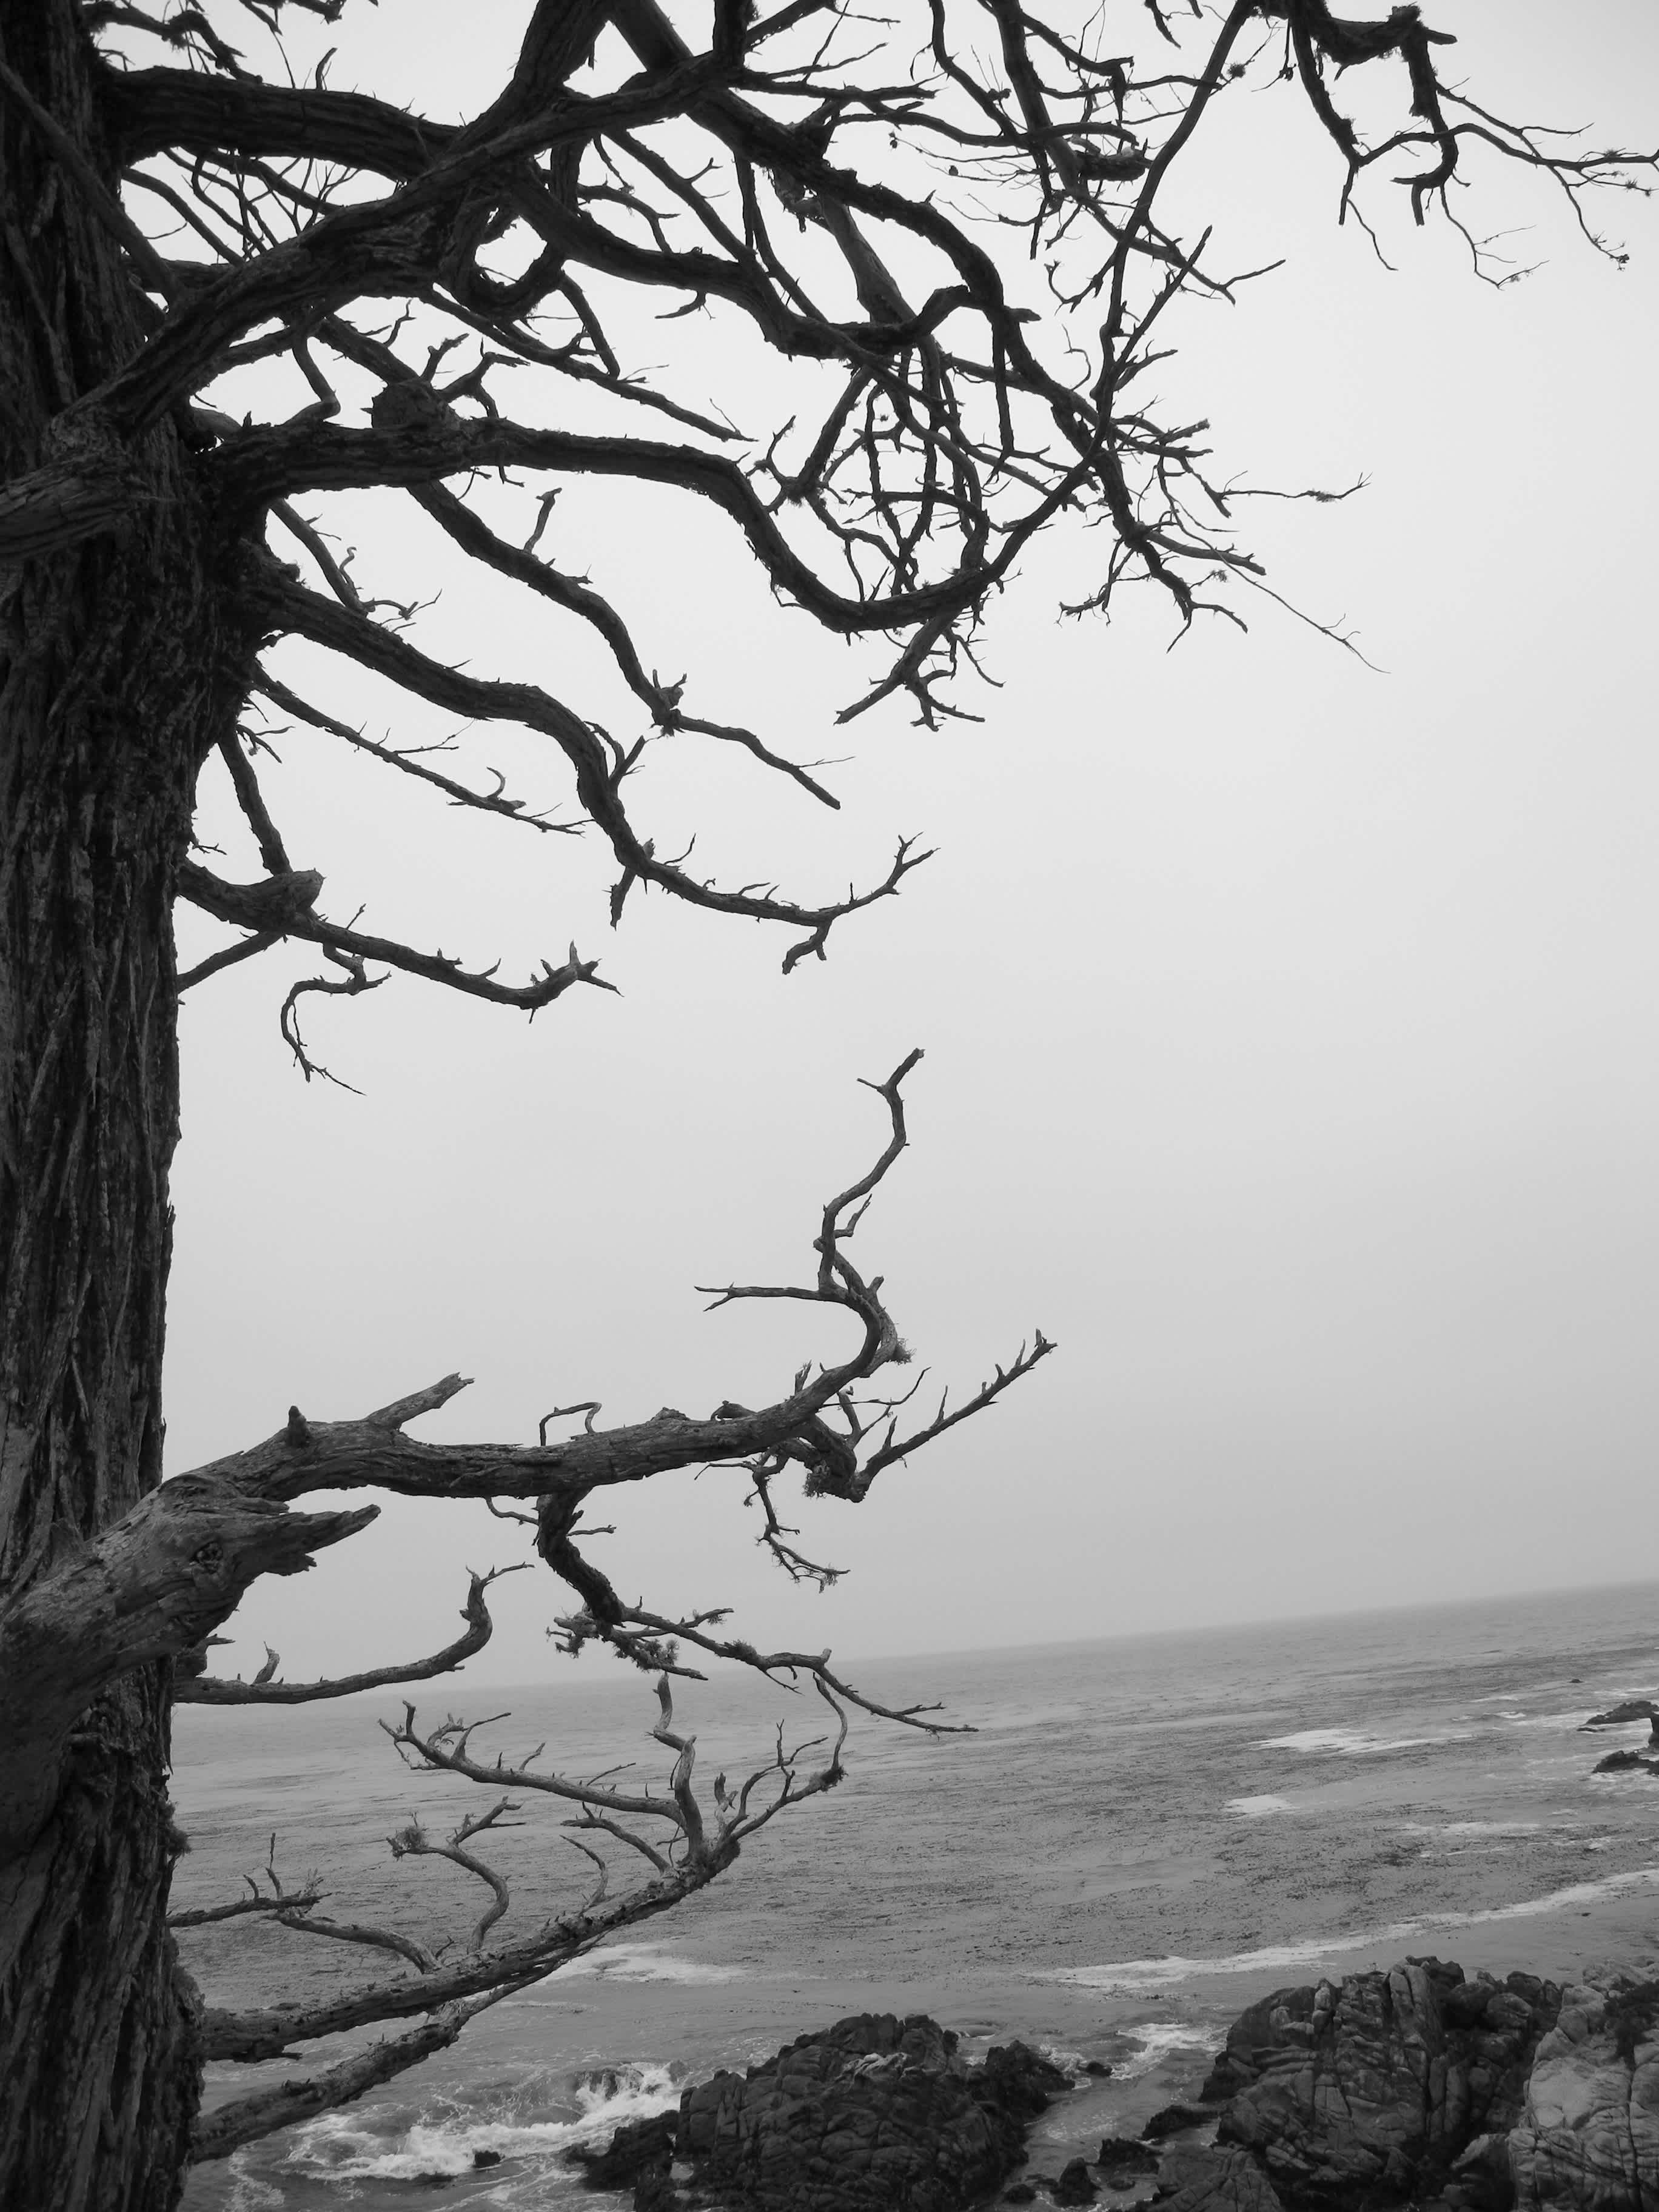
x=635, y=1625
x=413, y=1842
x=209, y=1690
x=597, y=774
x=445, y=1747
x=204, y=1915
x=589, y=1819
x=986, y=1395
x=245, y=2119
x=252, y=2036
x=373, y=1939
x=285, y=905
x=408, y=761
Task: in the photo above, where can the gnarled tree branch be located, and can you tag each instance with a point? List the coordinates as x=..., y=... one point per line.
x=150, y=1586
x=267, y=1690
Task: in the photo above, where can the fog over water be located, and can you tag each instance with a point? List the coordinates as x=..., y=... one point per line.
x=1290, y=1025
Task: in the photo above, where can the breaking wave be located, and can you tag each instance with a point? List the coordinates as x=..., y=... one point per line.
x=346, y=2146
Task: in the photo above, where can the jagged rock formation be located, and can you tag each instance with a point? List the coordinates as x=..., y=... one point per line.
x=1588, y=2138
x=1418, y=2088
x=1215, y=2181
x=874, y=2114
x=1380, y=2083
x=1122, y=2159
x=1174, y=2120
x=638, y=2147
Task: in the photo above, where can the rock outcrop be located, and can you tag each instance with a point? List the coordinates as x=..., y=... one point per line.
x=1075, y=2185
x=1420, y=2086
x=1122, y=2159
x=874, y=2114
x=1377, y=2084
x=638, y=2147
x=1588, y=2140
x=1633, y=1708
x=1174, y=2120
x=1217, y=2180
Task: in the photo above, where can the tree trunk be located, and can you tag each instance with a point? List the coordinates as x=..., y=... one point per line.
x=120, y=664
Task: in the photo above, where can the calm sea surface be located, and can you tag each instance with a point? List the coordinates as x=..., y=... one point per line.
x=1143, y=1836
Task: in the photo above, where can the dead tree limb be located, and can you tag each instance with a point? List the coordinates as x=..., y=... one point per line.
x=160, y=1580
x=245, y=2119
x=267, y=1690
x=413, y=1842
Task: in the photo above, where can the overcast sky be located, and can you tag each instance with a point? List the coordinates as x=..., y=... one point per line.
x=1289, y=1026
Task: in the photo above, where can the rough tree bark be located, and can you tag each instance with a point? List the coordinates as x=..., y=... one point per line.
x=125, y=660
x=138, y=593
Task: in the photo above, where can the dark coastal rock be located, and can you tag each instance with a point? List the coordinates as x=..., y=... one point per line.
x=637, y=2146
x=1256, y=2037
x=1015, y=2084
x=1174, y=2120
x=1121, y=2156
x=1074, y=2186
x=1369, y=2090
x=1621, y=1762
x=654, y=2190
x=1215, y=2180
x=1418, y=2088
x=873, y=2115
x=1633, y=1708
x=484, y=2158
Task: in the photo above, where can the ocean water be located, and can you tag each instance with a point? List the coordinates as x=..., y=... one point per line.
x=1142, y=1836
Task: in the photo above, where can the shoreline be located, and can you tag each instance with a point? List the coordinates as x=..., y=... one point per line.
x=647, y=2015
x=1159, y=2041
x=1114, y=1869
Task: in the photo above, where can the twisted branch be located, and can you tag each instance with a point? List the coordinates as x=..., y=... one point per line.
x=266, y=1690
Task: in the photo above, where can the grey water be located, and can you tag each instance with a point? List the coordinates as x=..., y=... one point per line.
x=1141, y=1836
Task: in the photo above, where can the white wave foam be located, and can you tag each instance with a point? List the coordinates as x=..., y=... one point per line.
x=1133, y=1975
x=645, y=1962
x=1062, y=2055
x=1257, y=1808
x=1160, y=2039
x=1357, y=1742
x=341, y=2147
x=611, y=2094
